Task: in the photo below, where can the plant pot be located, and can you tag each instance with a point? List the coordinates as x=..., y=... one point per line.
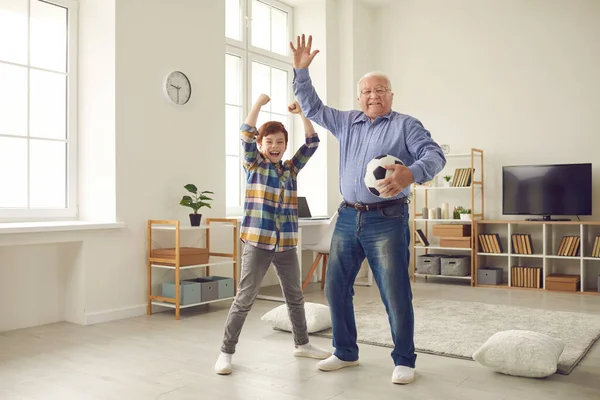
x=465, y=217
x=195, y=219
x=446, y=183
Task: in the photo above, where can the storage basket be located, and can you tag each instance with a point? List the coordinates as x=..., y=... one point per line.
x=429, y=264
x=456, y=265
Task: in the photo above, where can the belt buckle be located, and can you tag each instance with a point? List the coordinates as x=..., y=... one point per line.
x=356, y=206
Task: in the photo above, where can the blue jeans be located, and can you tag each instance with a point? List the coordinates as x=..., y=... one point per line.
x=383, y=237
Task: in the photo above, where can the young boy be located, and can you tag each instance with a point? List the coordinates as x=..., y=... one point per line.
x=270, y=228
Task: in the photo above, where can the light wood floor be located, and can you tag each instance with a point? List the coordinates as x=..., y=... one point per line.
x=157, y=357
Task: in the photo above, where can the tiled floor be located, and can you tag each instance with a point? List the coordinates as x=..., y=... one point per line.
x=157, y=357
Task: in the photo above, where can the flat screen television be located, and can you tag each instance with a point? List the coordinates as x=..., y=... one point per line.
x=547, y=190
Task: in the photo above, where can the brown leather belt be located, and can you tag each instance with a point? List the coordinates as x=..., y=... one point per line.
x=376, y=206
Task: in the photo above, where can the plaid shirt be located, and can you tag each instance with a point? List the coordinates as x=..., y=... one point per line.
x=271, y=207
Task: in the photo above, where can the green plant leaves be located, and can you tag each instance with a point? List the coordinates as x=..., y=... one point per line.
x=197, y=201
x=191, y=188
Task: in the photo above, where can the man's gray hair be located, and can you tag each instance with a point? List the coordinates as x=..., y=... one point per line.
x=377, y=74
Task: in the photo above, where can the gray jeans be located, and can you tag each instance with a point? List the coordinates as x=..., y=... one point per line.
x=255, y=263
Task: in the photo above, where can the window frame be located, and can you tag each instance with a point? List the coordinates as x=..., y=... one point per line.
x=243, y=48
x=235, y=51
x=71, y=211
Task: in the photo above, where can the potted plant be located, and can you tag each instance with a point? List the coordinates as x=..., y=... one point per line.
x=465, y=214
x=457, y=211
x=447, y=179
x=195, y=202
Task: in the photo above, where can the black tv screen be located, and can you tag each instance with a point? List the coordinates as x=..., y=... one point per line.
x=558, y=189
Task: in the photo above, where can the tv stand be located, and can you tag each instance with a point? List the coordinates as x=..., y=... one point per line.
x=547, y=218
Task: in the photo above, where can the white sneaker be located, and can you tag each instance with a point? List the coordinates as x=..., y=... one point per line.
x=310, y=351
x=403, y=374
x=333, y=363
x=223, y=364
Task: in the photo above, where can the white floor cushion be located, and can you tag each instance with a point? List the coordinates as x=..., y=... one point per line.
x=520, y=353
x=317, y=317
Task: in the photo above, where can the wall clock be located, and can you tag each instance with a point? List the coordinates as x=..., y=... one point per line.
x=177, y=87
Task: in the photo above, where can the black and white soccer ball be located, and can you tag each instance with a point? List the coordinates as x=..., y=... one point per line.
x=375, y=172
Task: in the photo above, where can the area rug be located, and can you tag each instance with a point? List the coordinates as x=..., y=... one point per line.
x=458, y=328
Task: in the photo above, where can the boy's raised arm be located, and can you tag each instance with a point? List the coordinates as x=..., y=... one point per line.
x=248, y=131
x=311, y=139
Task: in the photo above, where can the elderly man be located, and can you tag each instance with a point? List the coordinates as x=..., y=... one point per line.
x=367, y=225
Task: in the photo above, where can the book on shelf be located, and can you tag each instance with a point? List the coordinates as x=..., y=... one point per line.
x=490, y=243
x=421, y=238
x=569, y=246
x=526, y=277
x=596, y=247
x=522, y=244
x=462, y=177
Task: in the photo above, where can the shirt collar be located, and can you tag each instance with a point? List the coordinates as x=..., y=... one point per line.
x=362, y=117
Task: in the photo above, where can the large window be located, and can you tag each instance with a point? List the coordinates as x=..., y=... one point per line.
x=37, y=109
x=258, y=61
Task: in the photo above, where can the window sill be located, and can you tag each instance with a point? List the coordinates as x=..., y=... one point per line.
x=56, y=226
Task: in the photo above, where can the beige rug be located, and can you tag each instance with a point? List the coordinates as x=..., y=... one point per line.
x=458, y=328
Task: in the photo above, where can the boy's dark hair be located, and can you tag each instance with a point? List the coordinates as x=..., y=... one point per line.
x=269, y=128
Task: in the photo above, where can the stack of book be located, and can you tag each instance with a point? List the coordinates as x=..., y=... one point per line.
x=527, y=277
x=569, y=246
x=596, y=248
x=462, y=177
x=522, y=244
x=490, y=243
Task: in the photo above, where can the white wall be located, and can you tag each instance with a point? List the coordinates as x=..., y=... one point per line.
x=518, y=79
x=96, y=110
x=158, y=148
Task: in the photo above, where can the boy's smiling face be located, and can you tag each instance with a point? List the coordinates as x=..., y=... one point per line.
x=273, y=146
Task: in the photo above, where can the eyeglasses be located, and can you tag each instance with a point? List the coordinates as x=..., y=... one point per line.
x=380, y=91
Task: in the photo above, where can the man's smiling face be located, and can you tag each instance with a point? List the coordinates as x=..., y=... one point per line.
x=375, y=97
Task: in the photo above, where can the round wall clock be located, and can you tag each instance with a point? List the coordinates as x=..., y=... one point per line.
x=177, y=87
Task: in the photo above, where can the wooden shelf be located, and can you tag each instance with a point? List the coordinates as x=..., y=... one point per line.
x=445, y=221
x=547, y=236
x=215, y=259
x=527, y=255
x=437, y=247
x=512, y=255
x=472, y=160
x=443, y=187
x=444, y=276
x=212, y=261
x=462, y=155
x=172, y=305
x=171, y=227
x=523, y=222
x=563, y=257
x=500, y=286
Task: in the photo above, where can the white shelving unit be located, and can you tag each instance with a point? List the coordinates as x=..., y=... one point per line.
x=174, y=263
x=474, y=160
x=546, y=237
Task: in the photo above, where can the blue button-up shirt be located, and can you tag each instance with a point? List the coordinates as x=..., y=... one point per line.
x=361, y=140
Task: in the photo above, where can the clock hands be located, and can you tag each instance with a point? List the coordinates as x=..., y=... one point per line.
x=178, y=88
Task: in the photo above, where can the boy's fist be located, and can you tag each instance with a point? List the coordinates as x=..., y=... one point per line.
x=294, y=108
x=262, y=99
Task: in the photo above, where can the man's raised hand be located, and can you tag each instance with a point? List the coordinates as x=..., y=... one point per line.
x=302, y=55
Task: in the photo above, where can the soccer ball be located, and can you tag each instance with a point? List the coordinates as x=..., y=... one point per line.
x=375, y=171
